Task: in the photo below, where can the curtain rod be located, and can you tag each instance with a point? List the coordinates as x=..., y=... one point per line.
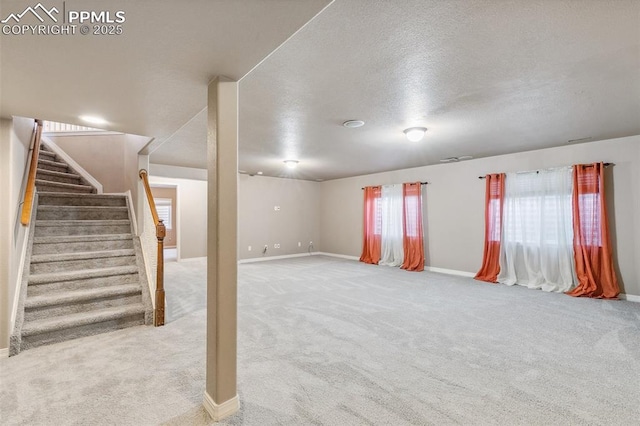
x=421, y=183
x=537, y=171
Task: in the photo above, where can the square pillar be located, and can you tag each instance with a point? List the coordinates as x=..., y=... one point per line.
x=221, y=398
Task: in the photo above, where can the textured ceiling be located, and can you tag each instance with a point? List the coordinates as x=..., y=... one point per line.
x=486, y=78
x=151, y=79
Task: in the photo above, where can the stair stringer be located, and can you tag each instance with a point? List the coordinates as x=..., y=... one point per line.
x=15, y=340
x=73, y=164
x=140, y=262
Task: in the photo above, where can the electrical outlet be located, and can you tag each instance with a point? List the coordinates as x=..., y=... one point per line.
x=299, y=244
x=249, y=249
x=276, y=246
x=276, y=208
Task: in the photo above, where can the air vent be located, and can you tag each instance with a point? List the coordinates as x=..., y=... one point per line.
x=456, y=159
x=588, y=138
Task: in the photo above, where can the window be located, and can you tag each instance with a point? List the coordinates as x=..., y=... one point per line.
x=538, y=208
x=412, y=204
x=163, y=207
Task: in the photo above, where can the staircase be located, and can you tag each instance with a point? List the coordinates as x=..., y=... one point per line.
x=84, y=273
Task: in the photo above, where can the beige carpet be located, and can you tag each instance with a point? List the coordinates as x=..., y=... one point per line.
x=333, y=342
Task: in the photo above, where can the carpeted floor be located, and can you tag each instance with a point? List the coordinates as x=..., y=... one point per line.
x=327, y=341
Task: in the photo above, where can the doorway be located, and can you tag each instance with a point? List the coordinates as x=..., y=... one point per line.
x=166, y=200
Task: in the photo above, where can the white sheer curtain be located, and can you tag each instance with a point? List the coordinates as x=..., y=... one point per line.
x=391, y=252
x=537, y=231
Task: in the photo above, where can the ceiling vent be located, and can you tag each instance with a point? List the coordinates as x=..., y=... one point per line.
x=456, y=159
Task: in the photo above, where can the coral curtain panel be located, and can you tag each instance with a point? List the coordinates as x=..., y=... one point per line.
x=494, y=199
x=592, y=246
x=372, y=227
x=412, y=227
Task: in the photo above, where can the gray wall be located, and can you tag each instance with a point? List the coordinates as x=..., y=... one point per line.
x=297, y=221
x=454, y=204
x=259, y=224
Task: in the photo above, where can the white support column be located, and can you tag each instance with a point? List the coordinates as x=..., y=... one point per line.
x=221, y=398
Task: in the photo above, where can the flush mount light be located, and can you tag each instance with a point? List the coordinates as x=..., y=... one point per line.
x=291, y=164
x=414, y=134
x=93, y=119
x=352, y=124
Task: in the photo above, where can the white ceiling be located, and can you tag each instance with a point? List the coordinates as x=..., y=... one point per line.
x=486, y=77
x=150, y=80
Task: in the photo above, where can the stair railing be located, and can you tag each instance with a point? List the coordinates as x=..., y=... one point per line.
x=161, y=231
x=30, y=190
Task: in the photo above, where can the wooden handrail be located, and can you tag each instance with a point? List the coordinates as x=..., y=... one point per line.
x=30, y=190
x=161, y=231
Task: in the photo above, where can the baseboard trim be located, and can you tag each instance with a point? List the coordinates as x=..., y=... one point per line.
x=267, y=258
x=629, y=297
x=449, y=271
x=221, y=411
x=74, y=165
x=345, y=256
x=4, y=353
x=18, y=284
x=341, y=256
x=132, y=212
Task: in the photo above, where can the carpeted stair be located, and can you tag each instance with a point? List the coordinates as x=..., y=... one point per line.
x=85, y=274
x=55, y=175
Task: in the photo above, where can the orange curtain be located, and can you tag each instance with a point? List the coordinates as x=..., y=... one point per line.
x=494, y=197
x=591, y=243
x=372, y=226
x=412, y=242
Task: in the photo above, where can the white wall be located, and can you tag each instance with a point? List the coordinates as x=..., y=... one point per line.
x=454, y=204
x=15, y=137
x=191, y=214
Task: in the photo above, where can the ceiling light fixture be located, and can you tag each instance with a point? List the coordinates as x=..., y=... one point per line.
x=93, y=119
x=352, y=124
x=291, y=164
x=414, y=134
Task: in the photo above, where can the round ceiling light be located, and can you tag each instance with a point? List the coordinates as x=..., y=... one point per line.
x=414, y=134
x=352, y=124
x=291, y=164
